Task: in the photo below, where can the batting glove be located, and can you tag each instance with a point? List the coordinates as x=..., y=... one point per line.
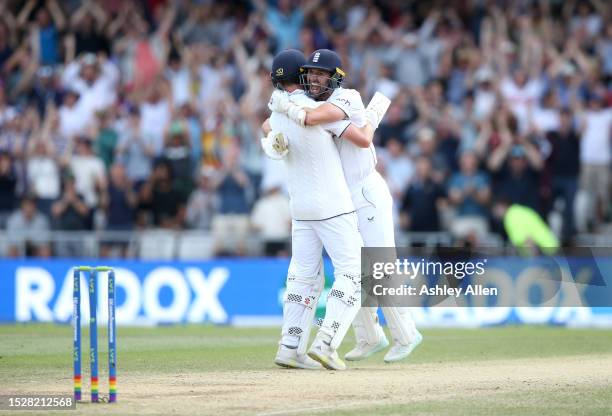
x=376, y=109
x=275, y=145
x=297, y=114
x=279, y=102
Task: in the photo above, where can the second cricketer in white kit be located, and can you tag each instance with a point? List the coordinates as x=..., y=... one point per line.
x=323, y=216
x=369, y=192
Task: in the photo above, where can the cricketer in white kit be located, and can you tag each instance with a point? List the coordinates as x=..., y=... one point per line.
x=369, y=193
x=323, y=216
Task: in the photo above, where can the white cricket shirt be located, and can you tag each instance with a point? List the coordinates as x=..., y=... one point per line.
x=317, y=188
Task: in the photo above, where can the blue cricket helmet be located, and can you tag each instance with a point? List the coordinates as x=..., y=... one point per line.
x=326, y=60
x=287, y=67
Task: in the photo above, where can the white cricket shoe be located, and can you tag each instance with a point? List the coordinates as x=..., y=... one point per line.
x=289, y=358
x=323, y=353
x=399, y=352
x=364, y=350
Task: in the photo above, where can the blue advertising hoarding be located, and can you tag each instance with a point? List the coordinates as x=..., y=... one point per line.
x=225, y=291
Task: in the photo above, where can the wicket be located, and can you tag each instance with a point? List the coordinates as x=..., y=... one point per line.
x=93, y=331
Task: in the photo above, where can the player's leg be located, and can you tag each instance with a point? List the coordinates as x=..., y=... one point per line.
x=403, y=330
x=341, y=239
x=369, y=334
x=305, y=280
x=376, y=227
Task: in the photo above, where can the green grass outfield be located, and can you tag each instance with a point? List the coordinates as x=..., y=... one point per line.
x=37, y=359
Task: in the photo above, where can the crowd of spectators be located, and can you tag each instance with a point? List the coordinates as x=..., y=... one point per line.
x=125, y=115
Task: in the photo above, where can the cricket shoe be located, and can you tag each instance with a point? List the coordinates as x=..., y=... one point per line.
x=399, y=352
x=323, y=353
x=289, y=358
x=364, y=350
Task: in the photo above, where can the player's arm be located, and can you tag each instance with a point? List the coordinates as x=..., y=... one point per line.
x=325, y=113
x=359, y=136
x=329, y=113
x=265, y=127
x=346, y=130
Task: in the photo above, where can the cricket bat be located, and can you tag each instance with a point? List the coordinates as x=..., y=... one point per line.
x=379, y=104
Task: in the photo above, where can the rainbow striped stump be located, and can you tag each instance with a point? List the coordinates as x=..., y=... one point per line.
x=93, y=332
x=76, y=321
x=112, y=388
x=94, y=389
x=77, y=388
x=112, y=340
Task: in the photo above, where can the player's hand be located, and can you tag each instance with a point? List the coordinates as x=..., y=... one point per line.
x=279, y=102
x=279, y=143
x=275, y=145
x=297, y=114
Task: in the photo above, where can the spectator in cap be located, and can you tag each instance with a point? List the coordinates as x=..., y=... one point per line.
x=515, y=163
x=517, y=180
